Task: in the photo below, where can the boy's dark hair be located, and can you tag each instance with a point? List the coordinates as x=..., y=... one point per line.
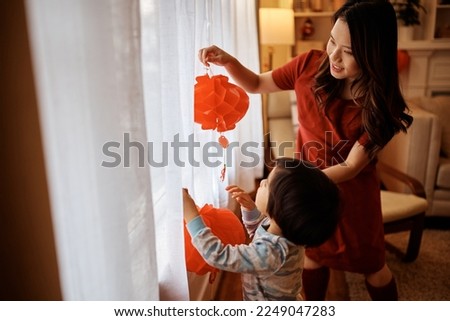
x=303, y=201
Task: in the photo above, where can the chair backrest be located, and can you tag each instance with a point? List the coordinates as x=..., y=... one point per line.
x=415, y=153
x=282, y=124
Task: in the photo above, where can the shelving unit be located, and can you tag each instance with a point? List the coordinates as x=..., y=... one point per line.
x=322, y=25
x=435, y=24
x=429, y=51
x=442, y=22
x=436, y=21
x=312, y=14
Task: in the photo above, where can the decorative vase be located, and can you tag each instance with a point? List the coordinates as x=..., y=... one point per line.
x=405, y=33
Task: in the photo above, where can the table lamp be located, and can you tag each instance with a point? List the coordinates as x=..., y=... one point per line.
x=276, y=27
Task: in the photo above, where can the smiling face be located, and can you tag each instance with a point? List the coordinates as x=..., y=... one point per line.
x=343, y=64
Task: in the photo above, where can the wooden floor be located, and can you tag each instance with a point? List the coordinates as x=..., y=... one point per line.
x=229, y=288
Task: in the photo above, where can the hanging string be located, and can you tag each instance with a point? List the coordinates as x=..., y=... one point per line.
x=222, y=140
x=208, y=12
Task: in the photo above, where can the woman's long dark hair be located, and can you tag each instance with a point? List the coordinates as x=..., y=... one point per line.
x=373, y=32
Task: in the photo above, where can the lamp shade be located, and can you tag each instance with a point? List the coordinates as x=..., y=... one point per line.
x=276, y=26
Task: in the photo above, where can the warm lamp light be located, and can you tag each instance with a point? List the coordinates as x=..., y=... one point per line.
x=276, y=27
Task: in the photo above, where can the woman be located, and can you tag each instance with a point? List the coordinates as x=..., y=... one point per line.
x=350, y=106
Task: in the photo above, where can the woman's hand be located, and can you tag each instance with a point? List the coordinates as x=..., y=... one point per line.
x=215, y=55
x=189, y=208
x=241, y=197
x=355, y=162
x=242, y=76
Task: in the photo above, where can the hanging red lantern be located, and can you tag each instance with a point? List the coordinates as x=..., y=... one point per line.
x=225, y=225
x=219, y=105
x=402, y=60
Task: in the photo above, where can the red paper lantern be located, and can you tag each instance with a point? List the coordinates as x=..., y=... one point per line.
x=402, y=60
x=225, y=225
x=218, y=104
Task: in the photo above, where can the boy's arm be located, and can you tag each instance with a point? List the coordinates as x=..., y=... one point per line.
x=251, y=220
x=238, y=258
x=259, y=256
x=189, y=208
x=243, y=198
x=251, y=216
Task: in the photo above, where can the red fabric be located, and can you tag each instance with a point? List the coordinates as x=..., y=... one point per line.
x=386, y=292
x=315, y=283
x=358, y=243
x=224, y=224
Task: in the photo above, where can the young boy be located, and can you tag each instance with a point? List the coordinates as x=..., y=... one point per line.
x=296, y=206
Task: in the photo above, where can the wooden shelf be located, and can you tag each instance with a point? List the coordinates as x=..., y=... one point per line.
x=312, y=14
x=437, y=44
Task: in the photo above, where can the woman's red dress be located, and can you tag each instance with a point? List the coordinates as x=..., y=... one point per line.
x=358, y=243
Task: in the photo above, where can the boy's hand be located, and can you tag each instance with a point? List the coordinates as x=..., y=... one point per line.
x=241, y=197
x=189, y=208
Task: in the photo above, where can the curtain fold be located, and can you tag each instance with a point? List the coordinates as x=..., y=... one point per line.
x=115, y=82
x=166, y=56
x=87, y=71
x=172, y=34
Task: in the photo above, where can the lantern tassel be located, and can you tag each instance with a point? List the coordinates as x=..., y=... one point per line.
x=223, y=141
x=223, y=171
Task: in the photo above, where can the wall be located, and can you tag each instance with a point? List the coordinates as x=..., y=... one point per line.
x=28, y=268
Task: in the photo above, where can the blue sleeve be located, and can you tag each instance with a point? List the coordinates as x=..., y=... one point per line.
x=262, y=255
x=251, y=220
x=195, y=226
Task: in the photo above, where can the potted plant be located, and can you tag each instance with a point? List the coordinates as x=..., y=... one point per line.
x=408, y=14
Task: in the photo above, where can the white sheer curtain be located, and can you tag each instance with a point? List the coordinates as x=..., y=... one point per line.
x=87, y=67
x=172, y=33
x=115, y=83
x=232, y=26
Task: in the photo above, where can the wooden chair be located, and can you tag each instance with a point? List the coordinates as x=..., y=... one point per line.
x=403, y=211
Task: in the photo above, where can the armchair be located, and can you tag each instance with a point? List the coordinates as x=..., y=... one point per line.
x=402, y=210
x=424, y=152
